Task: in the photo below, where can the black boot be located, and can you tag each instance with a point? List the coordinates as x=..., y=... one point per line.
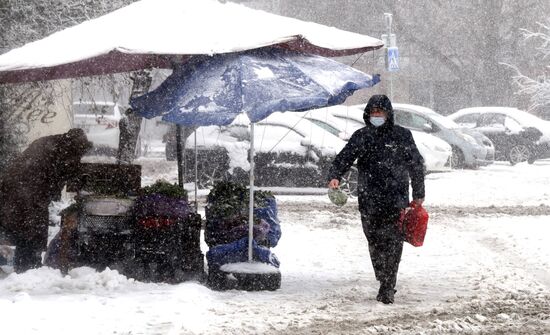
x=26, y=258
x=386, y=294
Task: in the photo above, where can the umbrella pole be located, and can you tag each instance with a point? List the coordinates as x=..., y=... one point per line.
x=196, y=172
x=179, y=155
x=251, y=192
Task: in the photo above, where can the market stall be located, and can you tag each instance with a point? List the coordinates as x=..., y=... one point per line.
x=147, y=233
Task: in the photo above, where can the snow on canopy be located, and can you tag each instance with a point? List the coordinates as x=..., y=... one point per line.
x=159, y=33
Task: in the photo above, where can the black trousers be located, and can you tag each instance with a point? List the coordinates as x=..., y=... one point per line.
x=26, y=257
x=385, y=244
x=28, y=253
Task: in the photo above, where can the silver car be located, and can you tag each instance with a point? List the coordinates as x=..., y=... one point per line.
x=100, y=121
x=470, y=148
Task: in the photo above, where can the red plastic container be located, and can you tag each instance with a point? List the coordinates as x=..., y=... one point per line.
x=414, y=224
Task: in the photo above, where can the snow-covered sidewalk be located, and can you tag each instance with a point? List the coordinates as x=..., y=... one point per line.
x=481, y=270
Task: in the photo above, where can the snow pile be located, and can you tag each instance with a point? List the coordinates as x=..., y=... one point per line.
x=50, y=281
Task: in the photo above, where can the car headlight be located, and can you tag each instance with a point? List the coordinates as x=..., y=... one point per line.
x=470, y=139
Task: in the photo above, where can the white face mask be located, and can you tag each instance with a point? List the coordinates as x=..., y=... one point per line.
x=377, y=121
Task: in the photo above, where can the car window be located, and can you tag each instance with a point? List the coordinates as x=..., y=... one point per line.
x=403, y=118
x=491, y=120
x=326, y=127
x=410, y=120
x=468, y=120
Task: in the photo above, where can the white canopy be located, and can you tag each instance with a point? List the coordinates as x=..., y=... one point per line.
x=157, y=33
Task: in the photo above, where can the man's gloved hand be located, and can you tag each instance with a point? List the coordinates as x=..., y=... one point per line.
x=419, y=201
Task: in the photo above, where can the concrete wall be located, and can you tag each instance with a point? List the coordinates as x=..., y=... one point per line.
x=49, y=114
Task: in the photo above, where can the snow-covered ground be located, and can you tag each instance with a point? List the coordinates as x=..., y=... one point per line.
x=484, y=269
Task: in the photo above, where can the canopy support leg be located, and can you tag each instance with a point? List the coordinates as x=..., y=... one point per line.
x=251, y=192
x=179, y=155
x=196, y=173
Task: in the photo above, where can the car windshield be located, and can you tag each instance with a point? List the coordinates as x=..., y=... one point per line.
x=444, y=121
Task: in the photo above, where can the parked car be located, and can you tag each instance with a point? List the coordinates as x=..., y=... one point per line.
x=470, y=148
x=100, y=120
x=288, y=152
x=436, y=152
x=324, y=119
x=517, y=135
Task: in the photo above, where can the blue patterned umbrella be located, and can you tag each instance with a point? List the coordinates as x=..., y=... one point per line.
x=213, y=90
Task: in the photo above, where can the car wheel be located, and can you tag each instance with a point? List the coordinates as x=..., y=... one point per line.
x=348, y=182
x=519, y=153
x=209, y=176
x=457, y=159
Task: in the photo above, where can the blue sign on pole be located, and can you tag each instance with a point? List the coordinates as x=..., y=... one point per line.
x=393, y=59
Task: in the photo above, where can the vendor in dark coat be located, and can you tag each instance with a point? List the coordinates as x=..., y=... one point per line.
x=28, y=185
x=387, y=157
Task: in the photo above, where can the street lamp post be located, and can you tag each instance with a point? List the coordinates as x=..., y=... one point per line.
x=392, y=53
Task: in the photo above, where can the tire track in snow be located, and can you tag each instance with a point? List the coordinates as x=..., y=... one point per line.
x=504, y=316
x=460, y=211
x=499, y=247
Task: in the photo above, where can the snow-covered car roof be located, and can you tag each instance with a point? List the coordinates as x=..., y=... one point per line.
x=326, y=142
x=430, y=113
x=210, y=136
x=351, y=112
x=525, y=118
x=324, y=115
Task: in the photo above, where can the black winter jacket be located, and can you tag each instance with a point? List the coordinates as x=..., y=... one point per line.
x=386, y=157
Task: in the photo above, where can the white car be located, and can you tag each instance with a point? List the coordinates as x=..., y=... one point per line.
x=100, y=121
x=470, y=148
x=436, y=152
x=282, y=131
x=289, y=151
x=517, y=135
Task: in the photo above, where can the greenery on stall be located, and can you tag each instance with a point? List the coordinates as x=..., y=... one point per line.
x=165, y=188
x=231, y=200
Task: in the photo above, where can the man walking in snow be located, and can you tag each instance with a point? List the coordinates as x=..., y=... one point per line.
x=387, y=157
